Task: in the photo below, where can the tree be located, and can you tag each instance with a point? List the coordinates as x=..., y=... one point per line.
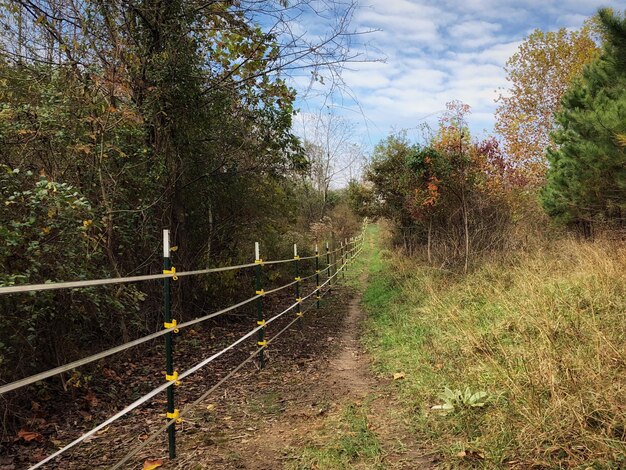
x=587, y=175
x=392, y=182
x=448, y=194
x=539, y=73
x=159, y=114
x=330, y=155
x=447, y=165
x=362, y=199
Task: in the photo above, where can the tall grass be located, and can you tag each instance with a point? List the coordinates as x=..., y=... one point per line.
x=543, y=333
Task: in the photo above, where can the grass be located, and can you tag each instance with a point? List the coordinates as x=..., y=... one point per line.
x=346, y=442
x=542, y=333
x=268, y=403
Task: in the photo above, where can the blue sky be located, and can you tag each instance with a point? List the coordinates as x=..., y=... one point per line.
x=435, y=52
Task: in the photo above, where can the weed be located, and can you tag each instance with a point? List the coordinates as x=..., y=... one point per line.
x=457, y=399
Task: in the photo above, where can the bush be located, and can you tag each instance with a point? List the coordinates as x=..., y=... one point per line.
x=50, y=233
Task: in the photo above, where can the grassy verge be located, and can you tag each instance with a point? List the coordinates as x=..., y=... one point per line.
x=532, y=353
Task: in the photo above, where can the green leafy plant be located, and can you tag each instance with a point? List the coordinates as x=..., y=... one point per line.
x=461, y=399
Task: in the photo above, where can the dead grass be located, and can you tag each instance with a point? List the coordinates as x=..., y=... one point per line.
x=543, y=333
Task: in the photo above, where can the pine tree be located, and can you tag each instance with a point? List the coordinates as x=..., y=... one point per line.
x=587, y=175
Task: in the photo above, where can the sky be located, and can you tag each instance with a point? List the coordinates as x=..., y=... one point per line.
x=425, y=53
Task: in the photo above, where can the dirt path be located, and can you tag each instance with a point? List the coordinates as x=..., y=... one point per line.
x=349, y=371
x=266, y=423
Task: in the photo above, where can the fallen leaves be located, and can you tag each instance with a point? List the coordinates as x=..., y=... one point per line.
x=471, y=454
x=29, y=436
x=91, y=398
x=399, y=376
x=152, y=464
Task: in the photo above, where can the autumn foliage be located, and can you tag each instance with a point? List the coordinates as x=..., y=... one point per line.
x=539, y=73
x=450, y=194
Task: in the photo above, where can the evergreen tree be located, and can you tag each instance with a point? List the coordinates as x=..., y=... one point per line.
x=587, y=175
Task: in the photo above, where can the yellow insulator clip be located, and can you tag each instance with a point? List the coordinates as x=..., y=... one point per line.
x=260, y=322
x=172, y=324
x=171, y=271
x=258, y=261
x=299, y=299
x=296, y=258
x=318, y=297
x=262, y=343
x=317, y=271
x=174, y=415
x=299, y=314
x=297, y=278
x=173, y=377
x=260, y=292
x=318, y=287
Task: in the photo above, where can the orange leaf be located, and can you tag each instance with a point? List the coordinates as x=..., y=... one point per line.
x=91, y=398
x=29, y=436
x=152, y=464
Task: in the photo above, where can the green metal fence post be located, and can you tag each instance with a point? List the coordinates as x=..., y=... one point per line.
x=260, y=321
x=350, y=245
x=169, y=323
x=329, y=271
x=317, y=275
x=298, y=280
x=334, y=250
x=343, y=264
x=350, y=252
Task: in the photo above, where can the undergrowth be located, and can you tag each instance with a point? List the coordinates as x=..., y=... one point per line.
x=519, y=364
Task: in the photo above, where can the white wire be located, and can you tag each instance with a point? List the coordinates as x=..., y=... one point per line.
x=188, y=372
x=190, y=406
x=187, y=408
x=125, y=280
x=95, y=357
x=158, y=390
x=114, y=280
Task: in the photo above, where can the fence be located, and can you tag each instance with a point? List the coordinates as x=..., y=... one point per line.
x=337, y=261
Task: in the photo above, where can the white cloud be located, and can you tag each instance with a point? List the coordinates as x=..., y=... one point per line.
x=441, y=50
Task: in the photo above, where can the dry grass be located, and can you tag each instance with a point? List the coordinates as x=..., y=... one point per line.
x=544, y=333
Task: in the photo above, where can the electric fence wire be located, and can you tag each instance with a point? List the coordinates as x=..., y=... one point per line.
x=202, y=397
x=125, y=280
x=157, y=390
x=123, y=347
x=86, y=360
x=185, y=374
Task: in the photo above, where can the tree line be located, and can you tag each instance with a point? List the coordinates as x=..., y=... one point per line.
x=560, y=152
x=121, y=118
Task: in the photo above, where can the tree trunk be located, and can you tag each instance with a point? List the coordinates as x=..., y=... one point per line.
x=430, y=230
x=466, y=230
x=209, y=236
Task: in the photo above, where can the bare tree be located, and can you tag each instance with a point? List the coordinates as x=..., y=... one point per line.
x=333, y=156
